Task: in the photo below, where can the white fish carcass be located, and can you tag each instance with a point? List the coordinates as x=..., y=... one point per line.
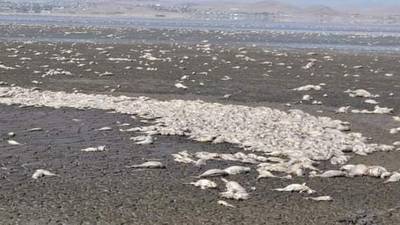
x=296, y=188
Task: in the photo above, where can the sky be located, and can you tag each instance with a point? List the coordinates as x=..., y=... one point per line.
x=332, y=3
x=344, y=2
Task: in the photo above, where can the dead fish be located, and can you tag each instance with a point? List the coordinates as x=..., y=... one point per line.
x=309, y=65
x=204, y=184
x=394, y=130
x=275, y=159
x=207, y=155
x=41, y=173
x=264, y=174
x=179, y=85
x=234, y=191
x=105, y=129
x=360, y=93
x=35, y=129
x=11, y=134
x=308, y=88
x=143, y=140
x=133, y=129
x=224, y=203
x=320, y=198
x=363, y=170
x=94, y=149
x=149, y=165
x=233, y=170
x=296, y=188
x=355, y=170
x=395, y=177
x=213, y=173
x=12, y=142
x=331, y=173
x=183, y=157
x=125, y=124
x=377, y=171
x=200, y=162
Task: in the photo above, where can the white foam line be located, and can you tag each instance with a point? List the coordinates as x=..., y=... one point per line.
x=294, y=135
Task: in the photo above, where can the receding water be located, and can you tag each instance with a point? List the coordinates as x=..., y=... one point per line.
x=385, y=38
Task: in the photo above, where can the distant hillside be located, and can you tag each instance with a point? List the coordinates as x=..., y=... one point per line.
x=321, y=11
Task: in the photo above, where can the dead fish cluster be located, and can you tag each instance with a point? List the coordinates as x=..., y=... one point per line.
x=293, y=128
x=143, y=140
x=173, y=119
x=363, y=170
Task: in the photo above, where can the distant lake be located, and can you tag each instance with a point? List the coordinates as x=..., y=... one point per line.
x=113, y=21
x=375, y=32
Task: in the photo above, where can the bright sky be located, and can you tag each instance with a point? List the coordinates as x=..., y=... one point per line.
x=344, y=2
x=324, y=2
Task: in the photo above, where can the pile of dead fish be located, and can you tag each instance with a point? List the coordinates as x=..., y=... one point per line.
x=278, y=142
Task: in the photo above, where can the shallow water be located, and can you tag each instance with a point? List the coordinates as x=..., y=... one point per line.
x=262, y=33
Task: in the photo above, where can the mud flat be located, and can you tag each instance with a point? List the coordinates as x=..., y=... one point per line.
x=99, y=187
